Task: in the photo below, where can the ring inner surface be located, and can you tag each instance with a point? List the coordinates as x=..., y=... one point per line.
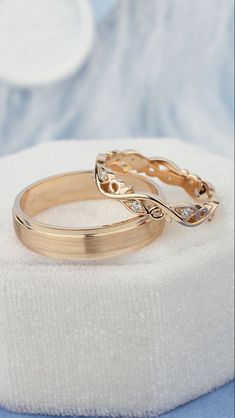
x=72, y=187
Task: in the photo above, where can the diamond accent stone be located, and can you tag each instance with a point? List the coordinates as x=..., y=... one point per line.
x=103, y=176
x=136, y=206
x=187, y=211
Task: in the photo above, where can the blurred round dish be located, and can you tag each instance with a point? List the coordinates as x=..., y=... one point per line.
x=42, y=42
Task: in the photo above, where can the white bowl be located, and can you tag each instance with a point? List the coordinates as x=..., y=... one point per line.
x=43, y=41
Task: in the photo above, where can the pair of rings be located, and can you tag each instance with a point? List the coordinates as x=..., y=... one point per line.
x=123, y=176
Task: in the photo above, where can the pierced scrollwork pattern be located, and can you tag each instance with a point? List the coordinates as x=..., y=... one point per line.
x=111, y=165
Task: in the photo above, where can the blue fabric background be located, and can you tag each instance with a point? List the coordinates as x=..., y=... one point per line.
x=164, y=72
x=217, y=404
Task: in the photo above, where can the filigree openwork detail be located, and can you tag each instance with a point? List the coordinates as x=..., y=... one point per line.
x=109, y=166
x=110, y=185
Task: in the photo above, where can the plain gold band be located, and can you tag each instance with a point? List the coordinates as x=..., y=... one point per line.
x=79, y=243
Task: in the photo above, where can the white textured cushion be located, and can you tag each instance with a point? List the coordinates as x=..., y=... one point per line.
x=137, y=335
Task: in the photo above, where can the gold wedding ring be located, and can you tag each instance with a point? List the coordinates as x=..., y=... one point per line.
x=80, y=243
x=109, y=166
x=117, y=176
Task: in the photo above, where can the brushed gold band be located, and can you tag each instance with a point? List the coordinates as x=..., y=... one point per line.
x=79, y=243
x=110, y=165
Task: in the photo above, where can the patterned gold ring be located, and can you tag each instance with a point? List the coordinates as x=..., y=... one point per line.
x=110, y=165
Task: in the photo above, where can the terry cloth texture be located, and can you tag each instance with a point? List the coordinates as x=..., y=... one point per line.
x=135, y=335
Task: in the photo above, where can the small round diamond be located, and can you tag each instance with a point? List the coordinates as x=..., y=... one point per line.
x=187, y=211
x=136, y=206
x=103, y=176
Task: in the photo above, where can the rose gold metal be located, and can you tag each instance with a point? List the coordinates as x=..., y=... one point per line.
x=109, y=166
x=79, y=243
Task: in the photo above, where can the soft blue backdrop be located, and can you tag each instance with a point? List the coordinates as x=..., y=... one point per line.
x=102, y=7
x=157, y=68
